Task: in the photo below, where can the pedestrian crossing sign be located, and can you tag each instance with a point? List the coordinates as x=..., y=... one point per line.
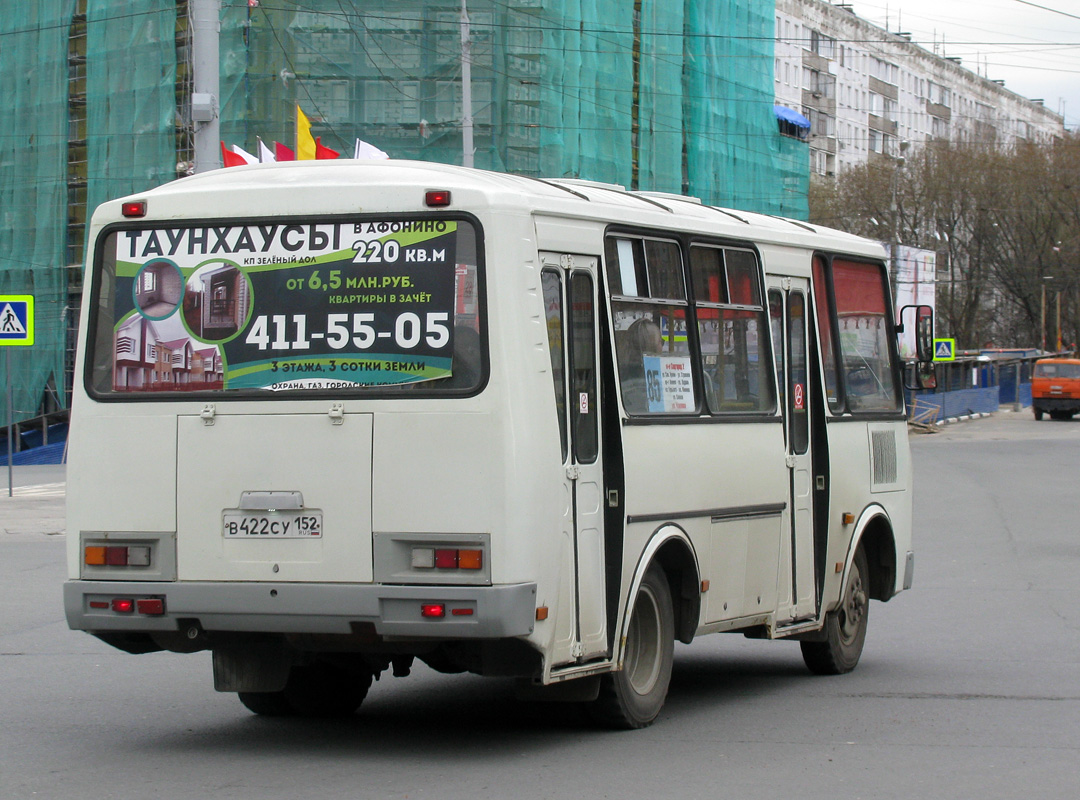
x=16, y=319
x=944, y=349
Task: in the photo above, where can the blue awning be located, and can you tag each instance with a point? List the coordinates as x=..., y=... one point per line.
x=792, y=116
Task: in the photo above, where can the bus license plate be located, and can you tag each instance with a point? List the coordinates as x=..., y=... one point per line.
x=272, y=524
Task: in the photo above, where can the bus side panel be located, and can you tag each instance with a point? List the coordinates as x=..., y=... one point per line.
x=858, y=479
x=740, y=557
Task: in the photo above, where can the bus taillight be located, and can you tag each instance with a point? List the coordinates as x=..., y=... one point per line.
x=447, y=558
x=117, y=556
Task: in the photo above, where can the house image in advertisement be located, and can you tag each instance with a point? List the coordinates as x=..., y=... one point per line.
x=216, y=302
x=158, y=289
x=145, y=361
x=177, y=353
x=136, y=363
x=206, y=368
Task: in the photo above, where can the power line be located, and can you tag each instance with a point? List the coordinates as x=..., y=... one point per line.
x=1046, y=8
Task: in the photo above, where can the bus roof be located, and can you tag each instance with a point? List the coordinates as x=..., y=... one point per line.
x=321, y=187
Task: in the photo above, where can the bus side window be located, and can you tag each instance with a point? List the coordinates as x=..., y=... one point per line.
x=861, y=303
x=732, y=330
x=553, y=309
x=826, y=340
x=856, y=348
x=649, y=313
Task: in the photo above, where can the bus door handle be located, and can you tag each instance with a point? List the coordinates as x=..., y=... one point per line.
x=572, y=472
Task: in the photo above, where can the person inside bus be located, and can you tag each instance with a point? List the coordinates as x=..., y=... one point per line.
x=643, y=338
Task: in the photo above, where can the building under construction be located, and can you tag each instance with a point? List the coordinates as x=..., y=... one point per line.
x=649, y=94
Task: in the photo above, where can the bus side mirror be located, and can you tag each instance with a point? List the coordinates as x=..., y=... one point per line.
x=920, y=375
x=923, y=318
x=925, y=375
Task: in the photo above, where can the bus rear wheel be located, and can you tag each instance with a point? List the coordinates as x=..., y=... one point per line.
x=633, y=696
x=845, y=626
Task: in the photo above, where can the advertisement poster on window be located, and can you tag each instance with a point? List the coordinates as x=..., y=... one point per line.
x=286, y=306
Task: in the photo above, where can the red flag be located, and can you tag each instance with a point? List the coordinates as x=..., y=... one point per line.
x=283, y=153
x=321, y=151
x=230, y=158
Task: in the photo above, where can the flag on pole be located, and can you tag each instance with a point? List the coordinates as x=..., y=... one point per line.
x=283, y=153
x=266, y=155
x=322, y=151
x=305, y=145
x=365, y=150
x=244, y=154
x=231, y=159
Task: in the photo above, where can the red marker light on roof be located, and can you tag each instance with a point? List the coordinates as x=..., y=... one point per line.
x=134, y=208
x=437, y=198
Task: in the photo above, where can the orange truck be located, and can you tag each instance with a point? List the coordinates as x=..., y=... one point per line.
x=1055, y=388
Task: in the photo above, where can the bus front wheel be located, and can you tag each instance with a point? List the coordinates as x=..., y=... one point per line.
x=633, y=696
x=845, y=626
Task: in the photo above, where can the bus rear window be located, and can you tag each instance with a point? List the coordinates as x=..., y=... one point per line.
x=288, y=307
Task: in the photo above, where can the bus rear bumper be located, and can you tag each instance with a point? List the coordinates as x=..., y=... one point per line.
x=467, y=612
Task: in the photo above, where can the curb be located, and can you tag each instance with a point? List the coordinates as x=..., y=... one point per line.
x=963, y=418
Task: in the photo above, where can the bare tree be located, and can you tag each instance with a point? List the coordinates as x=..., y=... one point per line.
x=1005, y=227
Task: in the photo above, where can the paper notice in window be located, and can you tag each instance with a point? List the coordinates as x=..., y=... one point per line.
x=669, y=383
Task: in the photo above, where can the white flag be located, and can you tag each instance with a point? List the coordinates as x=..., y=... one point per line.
x=365, y=150
x=266, y=155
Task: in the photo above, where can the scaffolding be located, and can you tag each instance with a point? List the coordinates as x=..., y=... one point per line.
x=650, y=94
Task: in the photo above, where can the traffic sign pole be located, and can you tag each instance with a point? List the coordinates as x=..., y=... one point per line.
x=16, y=330
x=10, y=417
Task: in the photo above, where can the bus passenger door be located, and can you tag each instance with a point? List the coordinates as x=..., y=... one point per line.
x=573, y=277
x=788, y=305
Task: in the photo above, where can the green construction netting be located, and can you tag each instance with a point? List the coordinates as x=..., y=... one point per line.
x=651, y=94
x=33, y=192
x=131, y=104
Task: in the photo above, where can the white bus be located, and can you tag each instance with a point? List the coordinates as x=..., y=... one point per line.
x=334, y=416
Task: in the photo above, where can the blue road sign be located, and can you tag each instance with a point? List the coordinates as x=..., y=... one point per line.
x=16, y=319
x=944, y=349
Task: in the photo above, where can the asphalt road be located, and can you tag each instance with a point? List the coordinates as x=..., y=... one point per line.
x=969, y=686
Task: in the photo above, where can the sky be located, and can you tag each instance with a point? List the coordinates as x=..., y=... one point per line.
x=1033, y=46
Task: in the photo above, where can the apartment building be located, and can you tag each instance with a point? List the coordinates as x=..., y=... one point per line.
x=868, y=93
